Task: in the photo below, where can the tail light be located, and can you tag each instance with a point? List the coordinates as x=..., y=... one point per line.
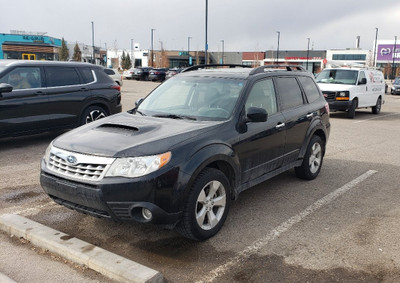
x=117, y=87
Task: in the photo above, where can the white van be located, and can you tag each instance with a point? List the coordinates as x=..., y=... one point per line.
x=346, y=89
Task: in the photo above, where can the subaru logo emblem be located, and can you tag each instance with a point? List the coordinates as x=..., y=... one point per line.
x=72, y=159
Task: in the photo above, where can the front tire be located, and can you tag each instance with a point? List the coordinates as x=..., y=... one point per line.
x=351, y=113
x=207, y=206
x=377, y=108
x=312, y=161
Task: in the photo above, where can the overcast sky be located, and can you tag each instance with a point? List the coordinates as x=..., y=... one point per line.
x=244, y=25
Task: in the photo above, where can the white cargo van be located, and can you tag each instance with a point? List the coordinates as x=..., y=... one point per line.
x=346, y=89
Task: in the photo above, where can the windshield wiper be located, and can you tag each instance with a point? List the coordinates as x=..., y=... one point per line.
x=174, y=116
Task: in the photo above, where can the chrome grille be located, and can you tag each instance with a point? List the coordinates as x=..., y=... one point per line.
x=329, y=95
x=86, y=167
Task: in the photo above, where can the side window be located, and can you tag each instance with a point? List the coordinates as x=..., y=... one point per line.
x=289, y=92
x=109, y=72
x=87, y=75
x=262, y=95
x=310, y=88
x=361, y=76
x=62, y=76
x=23, y=78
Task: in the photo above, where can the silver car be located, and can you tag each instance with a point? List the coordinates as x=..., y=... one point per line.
x=115, y=75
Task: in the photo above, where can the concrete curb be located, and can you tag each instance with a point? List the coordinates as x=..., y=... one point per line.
x=107, y=263
x=5, y=279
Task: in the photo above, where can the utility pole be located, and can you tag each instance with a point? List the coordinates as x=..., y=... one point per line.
x=152, y=49
x=133, y=65
x=206, y=47
x=223, y=50
x=308, y=51
x=394, y=55
x=94, y=58
x=376, y=39
x=277, y=49
x=189, y=50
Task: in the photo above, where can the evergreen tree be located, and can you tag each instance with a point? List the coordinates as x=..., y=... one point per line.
x=125, y=61
x=63, y=52
x=77, y=53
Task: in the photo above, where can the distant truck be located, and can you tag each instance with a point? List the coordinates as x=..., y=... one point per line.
x=347, y=89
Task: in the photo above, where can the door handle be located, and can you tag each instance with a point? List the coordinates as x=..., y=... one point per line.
x=280, y=126
x=40, y=93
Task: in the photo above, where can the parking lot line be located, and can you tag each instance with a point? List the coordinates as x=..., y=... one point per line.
x=285, y=226
x=377, y=117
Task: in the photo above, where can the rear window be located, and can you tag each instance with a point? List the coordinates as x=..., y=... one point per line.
x=87, y=75
x=62, y=76
x=289, y=92
x=109, y=72
x=310, y=88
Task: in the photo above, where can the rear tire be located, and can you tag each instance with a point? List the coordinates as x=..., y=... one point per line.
x=93, y=113
x=312, y=161
x=207, y=206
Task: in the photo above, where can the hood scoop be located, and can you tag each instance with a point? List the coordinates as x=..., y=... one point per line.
x=118, y=129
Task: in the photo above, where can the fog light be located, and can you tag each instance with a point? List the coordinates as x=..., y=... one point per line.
x=147, y=215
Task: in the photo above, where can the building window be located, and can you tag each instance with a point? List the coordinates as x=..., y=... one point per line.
x=349, y=57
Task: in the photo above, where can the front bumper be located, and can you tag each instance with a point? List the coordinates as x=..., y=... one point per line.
x=339, y=105
x=120, y=199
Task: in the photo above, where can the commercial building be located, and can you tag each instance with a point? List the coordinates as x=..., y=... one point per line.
x=311, y=60
x=28, y=46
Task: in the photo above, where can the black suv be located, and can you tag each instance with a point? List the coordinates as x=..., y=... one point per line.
x=37, y=96
x=191, y=146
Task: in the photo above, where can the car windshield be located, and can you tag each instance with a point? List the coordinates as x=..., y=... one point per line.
x=348, y=77
x=396, y=81
x=193, y=98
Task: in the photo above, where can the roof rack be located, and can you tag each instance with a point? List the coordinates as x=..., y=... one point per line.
x=204, y=66
x=265, y=68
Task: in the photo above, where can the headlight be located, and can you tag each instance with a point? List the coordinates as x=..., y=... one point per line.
x=137, y=166
x=47, y=153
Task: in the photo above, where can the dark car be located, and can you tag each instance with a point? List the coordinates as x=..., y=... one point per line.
x=190, y=147
x=141, y=73
x=37, y=96
x=158, y=74
x=396, y=86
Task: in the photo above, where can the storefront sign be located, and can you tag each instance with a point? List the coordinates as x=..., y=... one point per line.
x=303, y=58
x=385, y=52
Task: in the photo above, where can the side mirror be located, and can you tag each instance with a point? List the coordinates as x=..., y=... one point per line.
x=255, y=114
x=5, y=88
x=363, y=81
x=137, y=102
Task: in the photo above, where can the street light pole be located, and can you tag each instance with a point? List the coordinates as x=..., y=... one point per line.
x=189, y=50
x=277, y=49
x=206, y=47
x=133, y=65
x=394, y=55
x=152, y=50
x=93, y=53
x=223, y=50
x=308, y=51
x=376, y=39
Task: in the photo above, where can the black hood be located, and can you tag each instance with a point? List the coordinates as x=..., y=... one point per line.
x=127, y=134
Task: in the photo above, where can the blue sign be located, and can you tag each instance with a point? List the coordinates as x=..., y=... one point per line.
x=190, y=61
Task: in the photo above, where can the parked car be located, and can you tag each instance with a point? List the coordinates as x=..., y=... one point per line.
x=141, y=73
x=37, y=96
x=396, y=86
x=128, y=74
x=347, y=89
x=158, y=74
x=172, y=72
x=115, y=75
x=190, y=147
